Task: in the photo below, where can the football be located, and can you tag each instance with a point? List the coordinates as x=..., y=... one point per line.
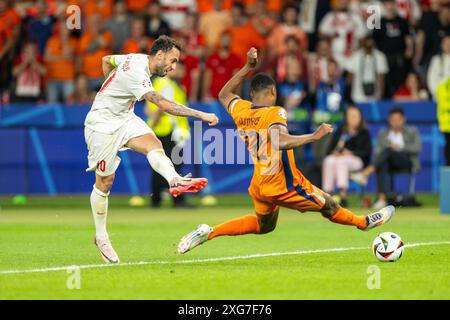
x=387, y=246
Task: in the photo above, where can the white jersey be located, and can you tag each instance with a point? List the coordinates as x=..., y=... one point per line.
x=114, y=103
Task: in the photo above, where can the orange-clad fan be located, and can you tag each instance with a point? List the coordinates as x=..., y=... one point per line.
x=60, y=61
x=94, y=45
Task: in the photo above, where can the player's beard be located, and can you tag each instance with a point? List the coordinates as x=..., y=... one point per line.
x=161, y=70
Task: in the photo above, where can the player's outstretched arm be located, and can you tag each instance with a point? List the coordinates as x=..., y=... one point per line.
x=228, y=91
x=179, y=110
x=282, y=140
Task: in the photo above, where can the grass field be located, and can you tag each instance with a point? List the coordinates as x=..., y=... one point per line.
x=57, y=233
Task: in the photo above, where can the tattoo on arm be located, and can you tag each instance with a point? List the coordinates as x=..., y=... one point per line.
x=172, y=107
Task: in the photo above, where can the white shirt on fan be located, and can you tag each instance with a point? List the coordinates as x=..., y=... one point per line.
x=114, y=103
x=396, y=138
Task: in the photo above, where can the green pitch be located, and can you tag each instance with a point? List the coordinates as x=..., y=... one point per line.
x=54, y=233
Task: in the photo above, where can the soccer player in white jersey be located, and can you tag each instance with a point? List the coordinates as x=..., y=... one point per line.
x=112, y=126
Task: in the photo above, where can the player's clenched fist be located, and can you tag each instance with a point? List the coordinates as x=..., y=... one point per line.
x=323, y=130
x=211, y=118
x=252, y=57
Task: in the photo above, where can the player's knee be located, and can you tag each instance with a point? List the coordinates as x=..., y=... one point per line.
x=267, y=223
x=105, y=183
x=153, y=146
x=330, y=208
x=266, y=227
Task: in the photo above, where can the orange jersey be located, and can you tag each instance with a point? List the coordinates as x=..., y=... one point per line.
x=274, y=171
x=276, y=180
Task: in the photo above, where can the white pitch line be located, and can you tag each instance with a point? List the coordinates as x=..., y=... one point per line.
x=250, y=256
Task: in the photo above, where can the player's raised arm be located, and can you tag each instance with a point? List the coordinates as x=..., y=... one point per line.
x=179, y=110
x=282, y=140
x=107, y=65
x=228, y=91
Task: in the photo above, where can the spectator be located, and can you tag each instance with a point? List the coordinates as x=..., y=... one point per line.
x=174, y=12
x=213, y=23
x=104, y=8
x=345, y=29
x=434, y=25
x=439, y=69
x=367, y=68
x=137, y=6
x=9, y=27
x=82, y=93
x=278, y=64
x=94, y=44
x=409, y=10
x=261, y=18
x=348, y=151
x=195, y=41
x=411, y=90
x=138, y=42
x=220, y=67
x=443, y=110
x=28, y=72
x=288, y=27
x=9, y=23
x=39, y=28
x=156, y=25
x=191, y=79
x=311, y=14
x=318, y=64
x=119, y=25
x=206, y=6
x=60, y=62
x=292, y=90
x=330, y=97
x=240, y=30
x=394, y=40
x=397, y=149
x=172, y=131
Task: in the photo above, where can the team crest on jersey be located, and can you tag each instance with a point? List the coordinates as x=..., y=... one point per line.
x=282, y=113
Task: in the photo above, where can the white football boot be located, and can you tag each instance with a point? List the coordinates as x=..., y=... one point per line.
x=195, y=238
x=108, y=253
x=380, y=217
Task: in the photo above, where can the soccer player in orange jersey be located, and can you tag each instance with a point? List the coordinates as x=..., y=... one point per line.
x=276, y=181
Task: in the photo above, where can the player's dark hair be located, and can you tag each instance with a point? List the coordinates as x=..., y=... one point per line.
x=261, y=81
x=165, y=44
x=397, y=109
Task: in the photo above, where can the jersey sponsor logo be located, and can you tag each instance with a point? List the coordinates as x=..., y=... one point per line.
x=282, y=113
x=253, y=121
x=101, y=165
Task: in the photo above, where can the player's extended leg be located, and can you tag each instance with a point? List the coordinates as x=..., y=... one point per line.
x=151, y=147
x=99, y=205
x=256, y=224
x=337, y=214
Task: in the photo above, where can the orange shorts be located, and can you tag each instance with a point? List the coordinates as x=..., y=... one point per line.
x=304, y=197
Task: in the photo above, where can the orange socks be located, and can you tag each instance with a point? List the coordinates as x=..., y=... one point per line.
x=345, y=216
x=235, y=227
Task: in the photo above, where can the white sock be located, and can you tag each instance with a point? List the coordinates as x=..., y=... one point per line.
x=162, y=164
x=99, y=205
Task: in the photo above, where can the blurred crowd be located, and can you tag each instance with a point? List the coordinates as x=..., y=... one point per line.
x=323, y=54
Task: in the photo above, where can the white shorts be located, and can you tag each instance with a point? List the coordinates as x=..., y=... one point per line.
x=103, y=148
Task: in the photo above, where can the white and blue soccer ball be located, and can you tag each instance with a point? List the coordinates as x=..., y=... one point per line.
x=387, y=246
